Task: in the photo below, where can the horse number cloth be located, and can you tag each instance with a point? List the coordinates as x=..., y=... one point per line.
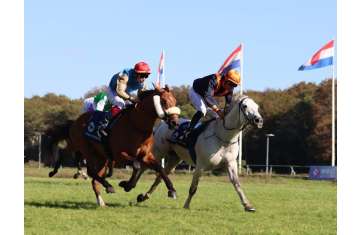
x=97, y=122
x=192, y=138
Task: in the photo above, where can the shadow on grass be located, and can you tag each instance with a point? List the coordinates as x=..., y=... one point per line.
x=73, y=205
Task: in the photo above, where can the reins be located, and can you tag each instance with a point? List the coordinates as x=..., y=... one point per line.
x=240, y=110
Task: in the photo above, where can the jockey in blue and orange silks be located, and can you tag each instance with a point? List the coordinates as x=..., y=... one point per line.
x=206, y=88
x=124, y=86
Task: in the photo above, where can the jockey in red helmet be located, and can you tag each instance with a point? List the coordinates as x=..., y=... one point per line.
x=123, y=89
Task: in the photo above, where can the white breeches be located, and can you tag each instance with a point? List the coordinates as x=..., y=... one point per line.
x=115, y=99
x=197, y=101
x=89, y=105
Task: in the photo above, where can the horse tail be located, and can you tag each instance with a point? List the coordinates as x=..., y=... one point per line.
x=54, y=136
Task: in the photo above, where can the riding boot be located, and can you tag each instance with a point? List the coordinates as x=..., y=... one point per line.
x=195, y=119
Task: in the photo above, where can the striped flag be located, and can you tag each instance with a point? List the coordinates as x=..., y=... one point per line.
x=323, y=57
x=160, y=81
x=233, y=61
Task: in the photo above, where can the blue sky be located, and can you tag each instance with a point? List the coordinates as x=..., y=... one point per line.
x=74, y=46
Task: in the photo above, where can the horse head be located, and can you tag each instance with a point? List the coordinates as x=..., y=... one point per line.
x=250, y=109
x=163, y=105
x=245, y=111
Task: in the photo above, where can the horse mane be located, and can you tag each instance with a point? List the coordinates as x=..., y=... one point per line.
x=235, y=100
x=146, y=93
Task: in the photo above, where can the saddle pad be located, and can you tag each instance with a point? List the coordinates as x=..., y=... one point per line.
x=192, y=138
x=97, y=120
x=179, y=132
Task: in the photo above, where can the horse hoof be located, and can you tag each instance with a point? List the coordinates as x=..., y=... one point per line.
x=249, y=209
x=123, y=184
x=172, y=194
x=52, y=173
x=142, y=197
x=110, y=190
x=127, y=188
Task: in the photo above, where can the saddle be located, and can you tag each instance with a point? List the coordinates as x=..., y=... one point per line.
x=102, y=122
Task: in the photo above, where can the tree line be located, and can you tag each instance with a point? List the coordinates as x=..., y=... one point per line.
x=299, y=117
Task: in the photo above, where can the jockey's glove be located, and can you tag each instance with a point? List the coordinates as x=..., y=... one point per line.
x=215, y=108
x=220, y=113
x=133, y=99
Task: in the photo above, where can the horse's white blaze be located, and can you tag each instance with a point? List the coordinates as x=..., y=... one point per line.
x=159, y=110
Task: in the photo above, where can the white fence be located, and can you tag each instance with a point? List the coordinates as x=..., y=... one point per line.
x=291, y=170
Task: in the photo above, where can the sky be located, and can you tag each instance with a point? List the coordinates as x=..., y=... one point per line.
x=71, y=47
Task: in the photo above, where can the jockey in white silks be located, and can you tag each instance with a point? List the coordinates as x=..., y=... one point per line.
x=124, y=85
x=100, y=102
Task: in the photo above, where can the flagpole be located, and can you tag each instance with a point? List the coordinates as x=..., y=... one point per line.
x=333, y=137
x=241, y=93
x=163, y=73
x=161, y=79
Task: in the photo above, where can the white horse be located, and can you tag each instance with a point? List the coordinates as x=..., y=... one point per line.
x=216, y=146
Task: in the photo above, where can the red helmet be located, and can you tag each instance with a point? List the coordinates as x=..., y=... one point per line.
x=142, y=67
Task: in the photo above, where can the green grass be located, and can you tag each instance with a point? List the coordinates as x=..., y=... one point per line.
x=284, y=206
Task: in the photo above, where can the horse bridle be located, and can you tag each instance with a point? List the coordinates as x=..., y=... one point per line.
x=240, y=110
x=162, y=113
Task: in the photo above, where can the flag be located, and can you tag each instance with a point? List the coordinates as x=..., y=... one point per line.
x=233, y=61
x=323, y=57
x=160, y=81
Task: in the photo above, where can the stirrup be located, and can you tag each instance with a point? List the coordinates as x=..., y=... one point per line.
x=103, y=132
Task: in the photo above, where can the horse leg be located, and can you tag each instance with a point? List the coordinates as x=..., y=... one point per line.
x=96, y=188
x=233, y=175
x=98, y=175
x=57, y=165
x=169, y=166
x=153, y=164
x=137, y=172
x=193, y=187
x=80, y=172
x=77, y=157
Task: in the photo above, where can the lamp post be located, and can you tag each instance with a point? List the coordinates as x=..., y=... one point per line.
x=267, y=151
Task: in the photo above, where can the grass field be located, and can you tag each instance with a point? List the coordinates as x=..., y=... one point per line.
x=284, y=206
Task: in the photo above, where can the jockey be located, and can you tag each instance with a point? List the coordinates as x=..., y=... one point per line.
x=100, y=102
x=123, y=88
x=125, y=85
x=204, y=89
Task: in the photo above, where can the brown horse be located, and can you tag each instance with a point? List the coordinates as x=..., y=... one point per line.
x=130, y=140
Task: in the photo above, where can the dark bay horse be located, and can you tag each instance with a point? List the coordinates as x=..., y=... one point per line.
x=130, y=140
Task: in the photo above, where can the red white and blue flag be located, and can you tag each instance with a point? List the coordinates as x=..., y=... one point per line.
x=323, y=57
x=160, y=81
x=233, y=61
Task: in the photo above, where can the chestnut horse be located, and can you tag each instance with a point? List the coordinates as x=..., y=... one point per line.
x=130, y=140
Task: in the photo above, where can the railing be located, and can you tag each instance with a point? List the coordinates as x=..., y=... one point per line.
x=292, y=172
